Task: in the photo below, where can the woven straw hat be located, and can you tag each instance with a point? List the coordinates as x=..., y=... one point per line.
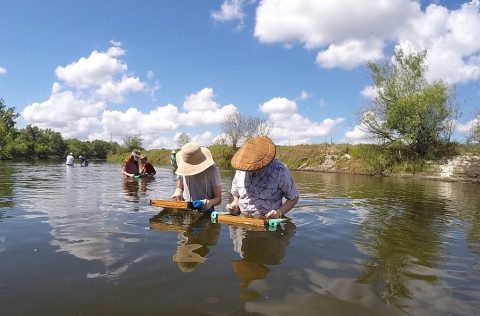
x=255, y=154
x=193, y=159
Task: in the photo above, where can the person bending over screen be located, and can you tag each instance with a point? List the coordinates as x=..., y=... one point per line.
x=198, y=177
x=130, y=165
x=261, y=183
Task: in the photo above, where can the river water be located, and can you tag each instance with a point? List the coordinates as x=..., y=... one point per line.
x=85, y=241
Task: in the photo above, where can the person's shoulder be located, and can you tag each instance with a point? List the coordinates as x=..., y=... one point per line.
x=277, y=164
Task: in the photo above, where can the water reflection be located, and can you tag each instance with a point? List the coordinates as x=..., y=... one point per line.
x=196, y=233
x=362, y=246
x=257, y=249
x=6, y=191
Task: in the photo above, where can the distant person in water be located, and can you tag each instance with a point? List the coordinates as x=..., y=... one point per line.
x=262, y=185
x=83, y=161
x=173, y=159
x=146, y=168
x=130, y=166
x=70, y=160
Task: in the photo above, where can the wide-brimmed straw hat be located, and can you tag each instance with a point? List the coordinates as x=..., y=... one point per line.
x=193, y=159
x=255, y=154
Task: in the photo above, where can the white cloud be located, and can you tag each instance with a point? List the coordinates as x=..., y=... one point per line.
x=94, y=70
x=204, y=139
x=357, y=136
x=3, y=71
x=278, y=105
x=350, y=54
x=114, y=91
x=61, y=111
x=465, y=128
x=348, y=33
x=304, y=95
x=200, y=109
x=369, y=92
x=230, y=10
x=451, y=38
x=320, y=23
x=289, y=126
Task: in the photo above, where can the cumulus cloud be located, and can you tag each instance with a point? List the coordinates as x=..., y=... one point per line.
x=451, y=39
x=230, y=10
x=201, y=108
x=320, y=23
x=348, y=33
x=63, y=111
x=350, y=53
x=290, y=126
x=369, y=92
x=3, y=71
x=357, y=136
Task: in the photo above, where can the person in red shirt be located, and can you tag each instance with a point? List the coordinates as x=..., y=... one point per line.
x=146, y=168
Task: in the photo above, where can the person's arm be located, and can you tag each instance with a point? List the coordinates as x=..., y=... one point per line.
x=232, y=206
x=124, y=171
x=282, y=210
x=289, y=192
x=217, y=198
x=178, y=193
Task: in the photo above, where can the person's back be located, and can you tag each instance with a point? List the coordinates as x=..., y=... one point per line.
x=146, y=168
x=70, y=160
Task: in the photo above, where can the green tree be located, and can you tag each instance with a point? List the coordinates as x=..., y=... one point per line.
x=408, y=109
x=101, y=148
x=182, y=139
x=8, y=116
x=133, y=142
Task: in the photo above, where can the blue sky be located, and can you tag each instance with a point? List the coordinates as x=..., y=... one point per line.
x=107, y=69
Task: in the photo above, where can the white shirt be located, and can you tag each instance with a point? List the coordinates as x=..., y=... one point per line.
x=70, y=160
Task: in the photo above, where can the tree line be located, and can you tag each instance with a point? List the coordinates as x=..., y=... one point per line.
x=33, y=142
x=409, y=118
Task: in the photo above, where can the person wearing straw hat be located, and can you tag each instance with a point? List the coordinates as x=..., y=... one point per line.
x=198, y=177
x=130, y=165
x=261, y=182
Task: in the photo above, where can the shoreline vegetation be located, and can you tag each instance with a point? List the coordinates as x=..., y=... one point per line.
x=462, y=164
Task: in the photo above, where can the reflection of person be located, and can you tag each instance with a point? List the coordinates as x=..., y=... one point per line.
x=146, y=168
x=173, y=159
x=258, y=249
x=261, y=182
x=196, y=234
x=70, y=159
x=198, y=177
x=130, y=165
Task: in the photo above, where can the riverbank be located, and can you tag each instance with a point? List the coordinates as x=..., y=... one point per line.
x=463, y=168
x=461, y=165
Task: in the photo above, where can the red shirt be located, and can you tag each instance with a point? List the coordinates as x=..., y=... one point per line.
x=147, y=168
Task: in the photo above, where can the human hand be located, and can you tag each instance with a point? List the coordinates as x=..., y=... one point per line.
x=177, y=195
x=273, y=214
x=232, y=208
x=207, y=204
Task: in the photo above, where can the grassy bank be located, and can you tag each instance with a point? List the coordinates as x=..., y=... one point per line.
x=358, y=159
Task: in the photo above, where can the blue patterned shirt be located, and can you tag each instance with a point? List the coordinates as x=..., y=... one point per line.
x=261, y=191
